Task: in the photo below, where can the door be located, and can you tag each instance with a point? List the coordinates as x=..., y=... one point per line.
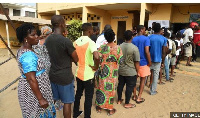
x=120, y=31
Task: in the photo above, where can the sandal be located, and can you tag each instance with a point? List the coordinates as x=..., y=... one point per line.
x=120, y=101
x=134, y=99
x=109, y=112
x=98, y=109
x=161, y=83
x=138, y=102
x=132, y=106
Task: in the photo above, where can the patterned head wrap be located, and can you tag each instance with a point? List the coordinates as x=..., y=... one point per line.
x=46, y=30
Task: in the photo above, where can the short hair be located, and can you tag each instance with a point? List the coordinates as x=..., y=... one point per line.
x=109, y=35
x=23, y=30
x=166, y=34
x=173, y=36
x=128, y=35
x=139, y=28
x=107, y=27
x=38, y=32
x=56, y=20
x=157, y=27
x=95, y=28
x=178, y=35
x=86, y=26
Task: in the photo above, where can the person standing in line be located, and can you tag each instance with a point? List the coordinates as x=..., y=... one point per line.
x=157, y=51
x=173, y=54
x=87, y=65
x=41, y=49
x=34, y=89
x=128, y=70
x=188, y=42
x=111, y=56
x=197, y=42
x=95, y=34
x=143, y=43
x=61, y=53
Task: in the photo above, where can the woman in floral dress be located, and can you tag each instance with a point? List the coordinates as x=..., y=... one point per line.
x=111, y=56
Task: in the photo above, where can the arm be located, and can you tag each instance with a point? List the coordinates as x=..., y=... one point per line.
x=137, y=65
x=96, y=60
x=148, y=55
x=74, y=56
x=30, y=76
x=163, y=54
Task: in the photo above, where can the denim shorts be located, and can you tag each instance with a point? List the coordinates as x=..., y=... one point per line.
x=63, y=93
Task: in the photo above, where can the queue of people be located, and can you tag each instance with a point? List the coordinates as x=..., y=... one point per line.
x=103, y=67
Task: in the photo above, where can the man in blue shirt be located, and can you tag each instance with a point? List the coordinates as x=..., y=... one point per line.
x=143, y=43
x=157, y=51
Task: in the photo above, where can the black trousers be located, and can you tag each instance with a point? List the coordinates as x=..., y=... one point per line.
x=130, y=82
x=196, y=53
x=88, y=86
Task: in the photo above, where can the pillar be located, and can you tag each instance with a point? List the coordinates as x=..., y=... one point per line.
x=8, y=37
x=84, y=14
x=142, y=13
x=57, y=12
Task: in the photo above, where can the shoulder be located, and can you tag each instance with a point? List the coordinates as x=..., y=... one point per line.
x=29, y=55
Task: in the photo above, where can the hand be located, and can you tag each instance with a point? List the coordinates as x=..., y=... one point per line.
x=93, y=68
x=149, y=64
x=43, y=103
x=162, y=65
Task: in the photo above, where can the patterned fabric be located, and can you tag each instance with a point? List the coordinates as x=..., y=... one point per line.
x=108, y=74
x=41, y=50
x=28, y=102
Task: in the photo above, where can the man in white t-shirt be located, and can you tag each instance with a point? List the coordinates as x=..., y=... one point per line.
x=187, y=41
x=101, y=39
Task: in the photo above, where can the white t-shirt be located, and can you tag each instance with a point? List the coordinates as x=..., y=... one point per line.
x=188, y=32
x=101, y=40
x=170, y=47
x=177, y=51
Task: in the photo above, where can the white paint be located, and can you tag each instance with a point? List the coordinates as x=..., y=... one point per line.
x=8, y=38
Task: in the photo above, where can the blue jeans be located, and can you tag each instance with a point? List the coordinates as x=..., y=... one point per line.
x=156, y=69
x=167, y=63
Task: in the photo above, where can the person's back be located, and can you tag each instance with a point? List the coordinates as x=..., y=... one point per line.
x=141, y=42
x=130, y=52
x=60, y=49
x=157, y=41
x=85, y=48
x=188, y=32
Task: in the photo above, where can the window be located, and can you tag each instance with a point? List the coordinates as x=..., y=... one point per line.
x=29, y=14
x=16, y=12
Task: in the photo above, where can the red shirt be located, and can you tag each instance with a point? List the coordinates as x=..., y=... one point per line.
x=197, y=37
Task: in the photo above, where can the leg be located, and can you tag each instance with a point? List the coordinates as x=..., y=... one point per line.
x=156, y=69
x=120, y=88
x=67, y=111
x=130, y=84
x=166, y=69
x=151, y=78
x=89, y=91
x=160, y=76
x=79, y=93
x=142, y=81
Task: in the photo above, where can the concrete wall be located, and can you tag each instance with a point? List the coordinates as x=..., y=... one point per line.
x=161, y=12
x=180, y=13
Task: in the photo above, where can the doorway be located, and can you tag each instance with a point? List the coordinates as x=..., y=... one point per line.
x=120, y=31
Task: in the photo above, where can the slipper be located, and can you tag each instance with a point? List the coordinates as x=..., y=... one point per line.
x=114, y=111
x=135, y=98
x=138, y=102
x=132, y=106
x=98, y=109
x=161, y=83
x=120, y=101
x=171, y=79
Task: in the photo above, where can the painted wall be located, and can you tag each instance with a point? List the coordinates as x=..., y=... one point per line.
x=28, y=9
x=114, y=22
x=180, y=13
x=161, y=12
x=12, y=34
